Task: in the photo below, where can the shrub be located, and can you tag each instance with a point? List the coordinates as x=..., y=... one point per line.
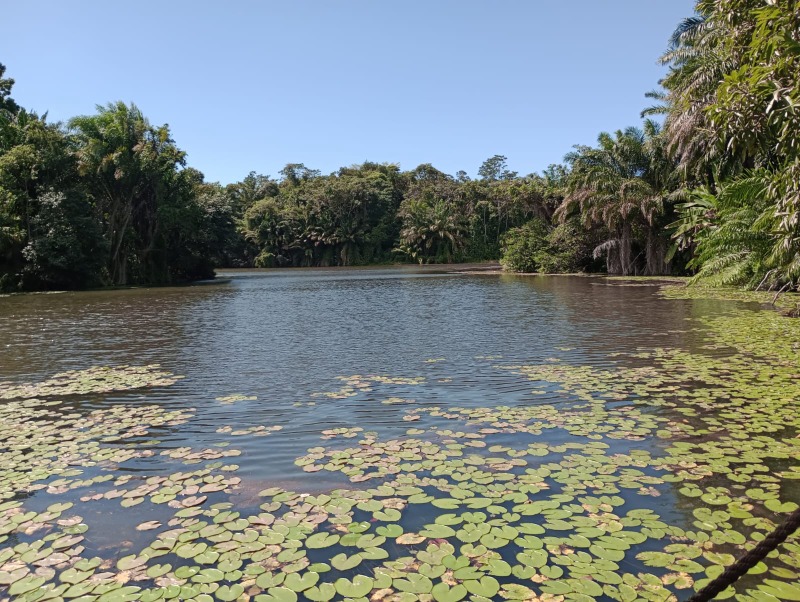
x=522, y=247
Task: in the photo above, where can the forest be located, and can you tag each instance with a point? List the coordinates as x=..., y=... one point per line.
x=708, y=184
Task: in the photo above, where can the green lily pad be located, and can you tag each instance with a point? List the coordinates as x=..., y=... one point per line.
x=323, y=593
x=781, y=590
x=486, y=586
x=413, y=584
x=229, y=593
x=360, y=586
x=298, y=583
x=281, y=594
x=343, y=562
x=321, y=540
x=444, y=593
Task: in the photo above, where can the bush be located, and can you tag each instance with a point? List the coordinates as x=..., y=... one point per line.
x=534, y=247
x=567, y=250
x=522, y=247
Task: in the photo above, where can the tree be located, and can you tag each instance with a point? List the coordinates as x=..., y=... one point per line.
x=6, y=102
x=48, y=233
x=623, y=185
x=222, y=225
x=132, y=171
x=346, y=218
x=523, y=246
x=65, y=249
x=696, y=216
x=734, y=248
x=295, y=173
x=251, y=189
x=733, y=123
x=536, y=246
x=433, y=230
x=495, y=168
x=434, y=217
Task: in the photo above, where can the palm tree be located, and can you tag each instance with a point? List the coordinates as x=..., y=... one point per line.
x=738, y=245
x=128, y=163
x=733, y=123
x=730, y=87
x=697, y=64
x=433, y=230
x=622, y=185
x=696, y=215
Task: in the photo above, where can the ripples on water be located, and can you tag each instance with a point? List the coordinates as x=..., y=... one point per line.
x=289, y=336
x=284, y=335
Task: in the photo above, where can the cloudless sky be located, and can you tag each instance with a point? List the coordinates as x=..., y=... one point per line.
x=253, y=85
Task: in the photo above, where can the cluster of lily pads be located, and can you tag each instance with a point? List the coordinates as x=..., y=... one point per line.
x=99, y=379
x=229, y=399
x=676, y=288
x=646, y=479
x=258, y=431
x=346, y=432
x=353, y=385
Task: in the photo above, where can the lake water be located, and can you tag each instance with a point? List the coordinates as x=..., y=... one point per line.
x=470, y=360
x=285, y=336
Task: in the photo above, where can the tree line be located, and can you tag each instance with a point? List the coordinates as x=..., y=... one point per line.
x=104, y=200
x=708, y=184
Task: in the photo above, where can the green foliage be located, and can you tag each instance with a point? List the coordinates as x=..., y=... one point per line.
x=695, y=215
x=569, y=250
x=733, y=124
x=375, y=213
x=536, y=247
x=524, y=247
x=6, y=102
x=722, y=179
x=347, y=218
x=132, y=170
x=221, y=225
x=495, y=168
x=623, y=185
x=65, y=249
x=433, y=225
x=105, y=203
x=433, y=230
x=46, y=224
x=736, y=246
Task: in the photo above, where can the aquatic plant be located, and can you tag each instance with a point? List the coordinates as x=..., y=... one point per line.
x=652, y=474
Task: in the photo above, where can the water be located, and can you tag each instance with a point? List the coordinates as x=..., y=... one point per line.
x=286, y=335
x=295, y=339
x=290, y=332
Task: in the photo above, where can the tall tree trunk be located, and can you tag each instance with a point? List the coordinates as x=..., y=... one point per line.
x=610, y=262
x=119, y=257
x=625, y=249
x=655, y=251
x=613, y=264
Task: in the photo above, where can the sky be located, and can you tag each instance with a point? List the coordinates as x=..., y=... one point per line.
x=254, y=85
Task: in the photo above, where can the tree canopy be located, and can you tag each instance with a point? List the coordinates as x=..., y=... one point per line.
x=708, y=184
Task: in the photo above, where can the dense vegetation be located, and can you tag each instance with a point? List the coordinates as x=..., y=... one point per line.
x=107, y=199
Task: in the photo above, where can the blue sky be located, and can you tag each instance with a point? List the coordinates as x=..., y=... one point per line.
x=253, y=85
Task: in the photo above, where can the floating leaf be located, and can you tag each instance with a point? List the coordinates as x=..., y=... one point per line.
x=321, y=540
x=360, y=586
x=343, y=562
